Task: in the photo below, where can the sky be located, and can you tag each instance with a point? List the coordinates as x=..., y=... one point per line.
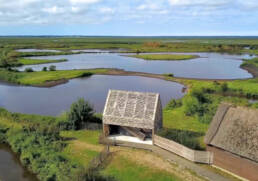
x=129, y=17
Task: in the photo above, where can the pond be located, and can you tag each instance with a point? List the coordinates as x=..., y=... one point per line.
x=208, y=66
x=11, y=168
x=52, y=101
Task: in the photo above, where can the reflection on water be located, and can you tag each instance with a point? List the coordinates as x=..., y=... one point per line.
x=10, y=167
x=52, y=101
x=208, y=66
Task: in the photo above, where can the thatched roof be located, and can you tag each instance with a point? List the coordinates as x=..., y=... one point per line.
x=132, y=109
x=235, y=129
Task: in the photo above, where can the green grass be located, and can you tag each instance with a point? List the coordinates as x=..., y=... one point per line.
x=89, y=136
x=82, y=146
x=40, y=78
x=123, y=169
x=253, y=61
x=176, y=119
x=25, y=61
x=164, y=56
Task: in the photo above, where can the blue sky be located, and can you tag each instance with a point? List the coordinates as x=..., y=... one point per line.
x=129, y=17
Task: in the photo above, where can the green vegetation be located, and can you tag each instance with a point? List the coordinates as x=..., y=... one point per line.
x=29, y=70
x=52, y=68
x=164, y=56
x=28, y=61
x=251, y=65
x=44, y=77
x=81, y=112
x=131, y=44
x=49, y=149
x=253, y=61
x=36, y=139
x=186, y=121
x=124, y=169
x=42, y=149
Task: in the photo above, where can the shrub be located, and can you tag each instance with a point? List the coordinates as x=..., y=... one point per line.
x=186, y=138
x=52, y=68
x=174, y=104
x=224, y=87
x=169, y=75
x=28, y=70
x=191, y=105
x=44, y=69
x=81, y=112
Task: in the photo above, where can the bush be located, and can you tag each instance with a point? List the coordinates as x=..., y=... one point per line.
x=186, y=138
x=44, y=69
x=170, y=75
x=224, y=87
x=81, y=112
x=29, y=70
x=191, y=105
x=174, y=104
x=52, y=68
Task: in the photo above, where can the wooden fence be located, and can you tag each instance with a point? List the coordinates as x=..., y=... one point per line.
x=192, y=155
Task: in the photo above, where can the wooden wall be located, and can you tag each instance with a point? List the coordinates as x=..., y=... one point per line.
x=238, y=165
x=189, y=154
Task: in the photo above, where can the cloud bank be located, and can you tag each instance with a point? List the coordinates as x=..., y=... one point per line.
x=115, y=12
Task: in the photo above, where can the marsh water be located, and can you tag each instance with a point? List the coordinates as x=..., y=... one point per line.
x=55, y=100
x=52, y=101
x=11, y=168
x=207, y=66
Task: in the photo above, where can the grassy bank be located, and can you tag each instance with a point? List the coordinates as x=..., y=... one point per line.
x=36, y=139
x=164, y=56
x=186, y=120
x=251, y=65
x=24, y=61
x=43, y=78
x=253, y=61
x=53, y=153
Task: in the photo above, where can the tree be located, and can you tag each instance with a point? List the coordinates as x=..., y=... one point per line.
x=29, y=70
x=224, y=87
x=4, y=58
x=44, y=69
x=81, y=112
x=52, y=68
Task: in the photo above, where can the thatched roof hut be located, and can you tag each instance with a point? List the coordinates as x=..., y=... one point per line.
x=133, y=109
x=233, y=136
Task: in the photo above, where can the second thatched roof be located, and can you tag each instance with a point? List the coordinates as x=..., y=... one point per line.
x=235, y=129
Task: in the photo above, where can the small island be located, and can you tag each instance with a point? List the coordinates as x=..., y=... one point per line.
x=168, y=57
x=28, y=61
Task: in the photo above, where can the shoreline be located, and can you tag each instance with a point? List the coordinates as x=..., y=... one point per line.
x=121, y=72
x=253, y=70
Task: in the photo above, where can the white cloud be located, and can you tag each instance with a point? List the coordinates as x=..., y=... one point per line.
x=53, y=10
x=197, y=2
x=106, y=10
x=75, y=9
x=99, y=11
x=84, y=1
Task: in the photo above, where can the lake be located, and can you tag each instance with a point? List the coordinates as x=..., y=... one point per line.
x=11, y=168
x=52, y=101
x=208, y=66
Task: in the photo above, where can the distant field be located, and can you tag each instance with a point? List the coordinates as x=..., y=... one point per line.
x=164, y=56
x=24, y=61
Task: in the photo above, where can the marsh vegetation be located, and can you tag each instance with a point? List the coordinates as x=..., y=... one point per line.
x=56, y=148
